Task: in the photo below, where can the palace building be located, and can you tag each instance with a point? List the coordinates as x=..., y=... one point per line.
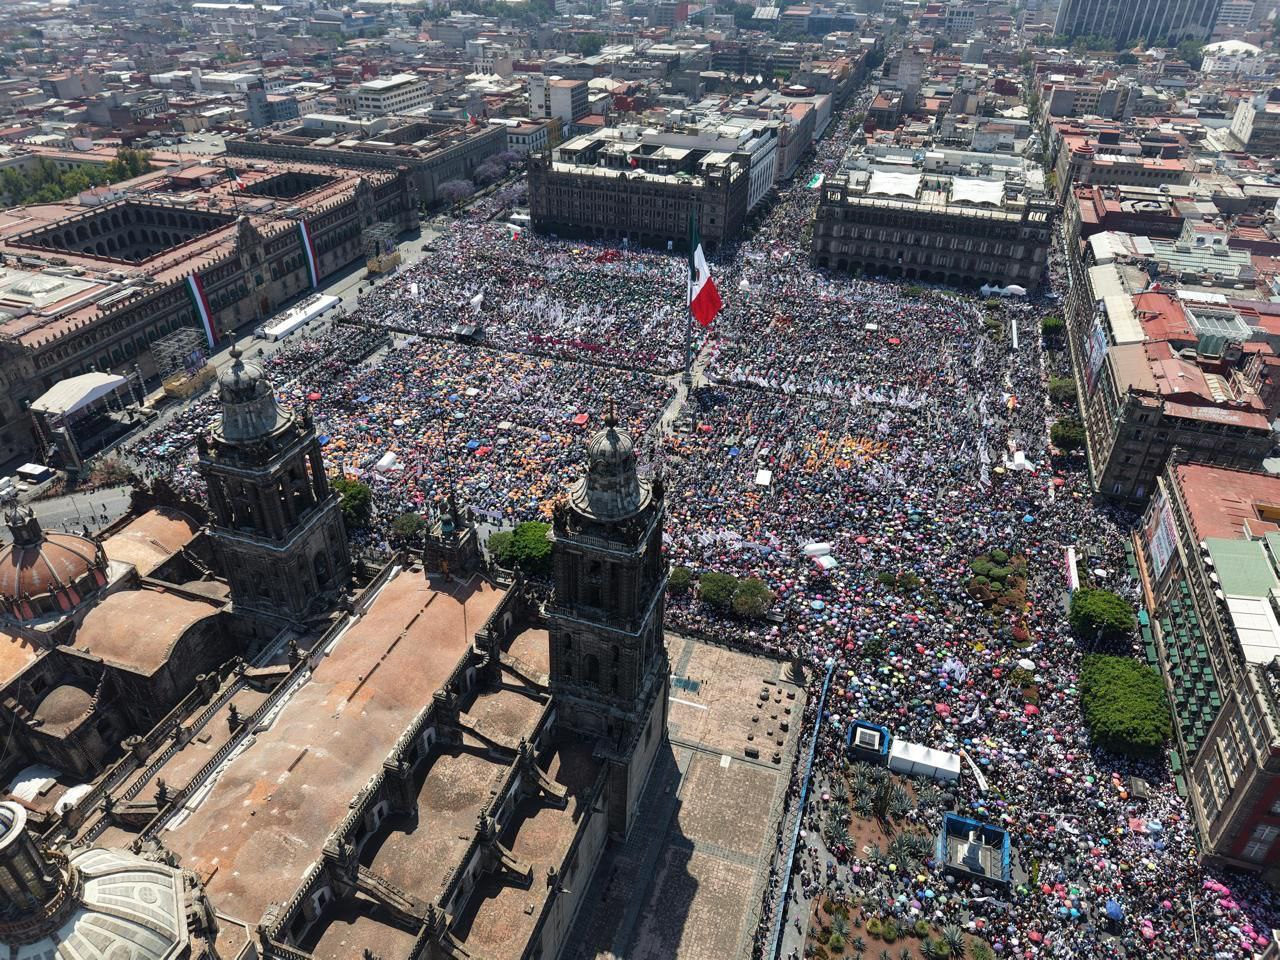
x=92, y=288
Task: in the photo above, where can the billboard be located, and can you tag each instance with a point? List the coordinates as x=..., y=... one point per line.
x=1095, y=350
x=1160, y=534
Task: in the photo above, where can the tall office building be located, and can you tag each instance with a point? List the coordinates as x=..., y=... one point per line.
x=1151, y=21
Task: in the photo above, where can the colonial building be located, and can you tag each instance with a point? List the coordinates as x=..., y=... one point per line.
x=1208, y=551
x=958, y=230
x=433, y=152
x=607, y=186
x=92, y=288
x=276, y=525
x=1155, y=371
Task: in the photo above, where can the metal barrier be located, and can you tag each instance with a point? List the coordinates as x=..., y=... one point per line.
x=779, y=917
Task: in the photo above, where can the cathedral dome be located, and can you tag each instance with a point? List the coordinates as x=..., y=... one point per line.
x=63, y=705
x=99, y=903
x=240, y=382
x=249, y=408
x=43, y=573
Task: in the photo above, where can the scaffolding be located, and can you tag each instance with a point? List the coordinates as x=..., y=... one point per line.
x=180, y=352
x=379, y=239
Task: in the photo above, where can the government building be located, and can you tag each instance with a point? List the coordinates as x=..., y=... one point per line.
x=915, y=224
x=92, y=286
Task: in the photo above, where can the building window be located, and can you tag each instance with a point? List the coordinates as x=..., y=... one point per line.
x=1259, y=845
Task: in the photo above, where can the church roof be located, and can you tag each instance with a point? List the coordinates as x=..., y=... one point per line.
x=151, y=538
x=156, y=621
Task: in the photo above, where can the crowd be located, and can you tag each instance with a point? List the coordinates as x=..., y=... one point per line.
x=524, y=293
x=896, y=431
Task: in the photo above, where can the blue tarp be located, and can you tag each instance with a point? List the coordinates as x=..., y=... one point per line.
x=363, y=398
x=1115, y=911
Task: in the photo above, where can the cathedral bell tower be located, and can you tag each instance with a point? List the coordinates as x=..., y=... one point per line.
x=275, y=525
x=609, y=671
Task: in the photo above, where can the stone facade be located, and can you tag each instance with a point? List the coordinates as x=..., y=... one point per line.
x=577, y=200
x=277, y=526
x=934, y=242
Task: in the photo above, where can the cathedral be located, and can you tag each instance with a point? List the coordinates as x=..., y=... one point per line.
x=439, y=758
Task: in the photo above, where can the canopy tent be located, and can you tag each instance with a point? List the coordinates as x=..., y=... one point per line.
x=764, y=477
x=75, y=393
x=913, y=758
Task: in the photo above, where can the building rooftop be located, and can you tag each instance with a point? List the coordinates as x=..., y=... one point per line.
x=151, y=538
x=1227, y=503
x=155, y=622
x=273, y=806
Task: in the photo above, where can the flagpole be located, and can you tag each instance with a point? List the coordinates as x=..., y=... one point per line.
x=688, y=306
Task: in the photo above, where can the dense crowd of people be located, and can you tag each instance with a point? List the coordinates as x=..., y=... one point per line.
x=855, y=444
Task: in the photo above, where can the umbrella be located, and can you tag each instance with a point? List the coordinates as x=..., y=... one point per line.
x=313, y=395
x=1115, y=911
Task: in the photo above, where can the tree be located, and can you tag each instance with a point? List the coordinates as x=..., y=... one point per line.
x=1062, y=390
x=1067, y=434
x=356, y=500
x=717, y=589
x=500, y=545
x=530, y=547
x=407, y=525
x=1127, y=58
x=1100, y=613
x=1124, y=705
x=489, y=172
x=455, y=191
x=1192, y=51
x=589, y=44
x=680, y=580
x=752, y=598
x=1052, y=326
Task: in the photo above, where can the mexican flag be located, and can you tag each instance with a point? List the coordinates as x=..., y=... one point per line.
x=195, y=289
x=309, y=252
x=704, y=298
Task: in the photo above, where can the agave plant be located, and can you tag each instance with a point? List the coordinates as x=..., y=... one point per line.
x=901, y=853
x=840, y=924
x=928, y=796
x=953, y=936
x=899, y=801
x=840, y=811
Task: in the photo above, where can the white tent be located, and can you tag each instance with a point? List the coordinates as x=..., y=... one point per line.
x=914, y=759
x=817, y=549
x=764, y=477
x=826, y=562
x=76, y=393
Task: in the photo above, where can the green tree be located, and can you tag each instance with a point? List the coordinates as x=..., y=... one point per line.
x=717, y=589
x=1124, y=705
x=589, y=44
x=1192, y=51
x=1052, y=326
x=500, y=545
x=407, y=525
x=530, y=547
x=1100, y=613
x=680, y=580
x=1062, y=389
x=1067, y=434
x=752, y=598
x=356, y=500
